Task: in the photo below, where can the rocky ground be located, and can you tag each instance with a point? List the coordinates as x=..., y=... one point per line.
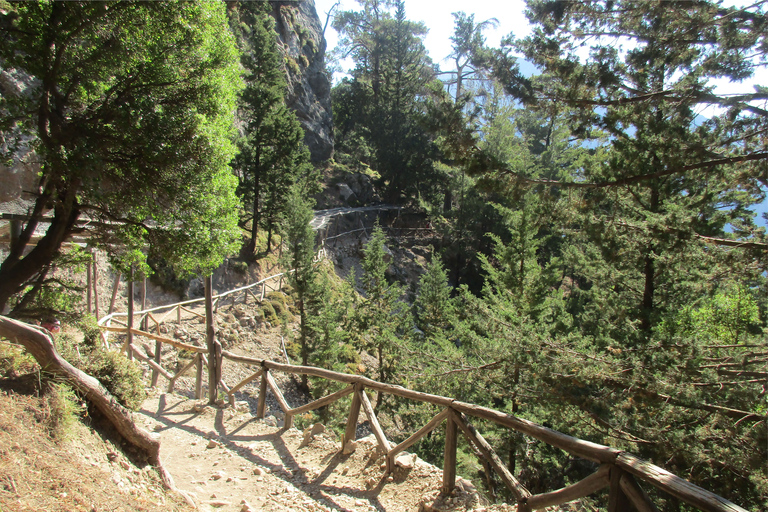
x=225, y=459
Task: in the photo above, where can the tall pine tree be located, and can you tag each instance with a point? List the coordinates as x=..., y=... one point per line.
x=272, y=152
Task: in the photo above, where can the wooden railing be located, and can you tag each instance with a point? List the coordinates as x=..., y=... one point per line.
x=256, y=290
x=618, y=471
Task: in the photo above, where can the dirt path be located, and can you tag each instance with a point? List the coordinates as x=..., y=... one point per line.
x=227, y=460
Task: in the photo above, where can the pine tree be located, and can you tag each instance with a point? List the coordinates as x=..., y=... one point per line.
x=433, y=305
x=656, y=209
x=383, y=316
x=469, y=53
x=272, y=151
x=299, y=239
x=381, y=105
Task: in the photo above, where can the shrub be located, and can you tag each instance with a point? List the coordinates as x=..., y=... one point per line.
x=279, y=307
x=121, y=377
x=239, y=267
x=15, y=361
x=90, y=328
x=269, y=313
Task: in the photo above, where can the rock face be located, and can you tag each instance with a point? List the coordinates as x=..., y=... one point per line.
x=300, y=37
x=19, y=172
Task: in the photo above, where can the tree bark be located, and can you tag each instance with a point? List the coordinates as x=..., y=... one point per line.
x=16, y=270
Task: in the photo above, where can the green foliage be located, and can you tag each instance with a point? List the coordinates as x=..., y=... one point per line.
x=382, y=317
x=729, y=317
x=55, y=293
x=15, y=361
x=272, y=153
x=121, y=377
x=468, y=51
x=279, y=307
x=138, y=136
x=623, y=299
x=434, y=307
x=269, y=313
x=63, y=411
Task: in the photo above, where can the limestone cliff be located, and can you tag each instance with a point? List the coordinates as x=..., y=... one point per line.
x=300, y=37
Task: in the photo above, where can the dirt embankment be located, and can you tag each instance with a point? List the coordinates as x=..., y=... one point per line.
x=82, y=469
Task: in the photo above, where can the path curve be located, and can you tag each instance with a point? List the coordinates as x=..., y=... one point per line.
x=323, y=217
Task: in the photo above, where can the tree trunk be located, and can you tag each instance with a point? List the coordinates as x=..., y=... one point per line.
x=250, y=247
x=15, y=271
x=304, y=341
x=649, y=270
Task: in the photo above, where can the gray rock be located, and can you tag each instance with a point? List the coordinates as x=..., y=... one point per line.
x=300, y=37
x=362, y=185
x=346, y=192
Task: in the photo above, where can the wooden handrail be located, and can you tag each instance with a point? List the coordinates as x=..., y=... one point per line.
x=616, y=471
x=589, y=485
x=645, y=471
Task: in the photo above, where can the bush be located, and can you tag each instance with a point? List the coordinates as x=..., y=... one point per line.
x=281, y=304
x=279, y=308
x=269, y=313
x=90, y=328
x=239, y=267
x=15, y=361
x=121, y=377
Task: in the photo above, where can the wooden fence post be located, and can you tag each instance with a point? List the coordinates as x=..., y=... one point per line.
x=354, y=413
x=158, y=356
x=449, y=460
x=261, y=408
x=198, y=377
x=114, y=294
x=89, y=286
x=95, y=287
x=617, y=500
x=129, y=343
x=210, y=338
x=144, y=320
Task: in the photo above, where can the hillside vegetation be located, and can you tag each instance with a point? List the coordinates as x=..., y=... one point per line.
x=595, y=261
